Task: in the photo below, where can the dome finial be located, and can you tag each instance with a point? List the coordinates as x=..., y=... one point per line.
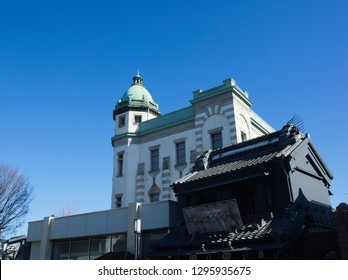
x=137, y=79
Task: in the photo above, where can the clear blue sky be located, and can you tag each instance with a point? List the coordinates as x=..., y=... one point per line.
x=64, y=64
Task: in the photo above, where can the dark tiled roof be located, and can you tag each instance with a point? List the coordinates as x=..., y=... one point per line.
x=263, y=231
x=252, y=153
x=234, y=163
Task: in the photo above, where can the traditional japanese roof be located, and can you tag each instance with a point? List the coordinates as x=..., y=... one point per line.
x=262, y=234
x=258, y=152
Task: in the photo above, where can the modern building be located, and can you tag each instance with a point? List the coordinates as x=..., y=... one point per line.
x=266, y=198
x=151, y=152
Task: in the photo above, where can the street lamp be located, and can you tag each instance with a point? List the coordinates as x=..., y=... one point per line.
x=137, y=232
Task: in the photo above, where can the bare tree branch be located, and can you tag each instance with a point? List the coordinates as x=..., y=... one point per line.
x=67, y=210
x=15, y=197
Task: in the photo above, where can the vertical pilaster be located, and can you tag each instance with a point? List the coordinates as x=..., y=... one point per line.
x=140, y=183
x=46, y=244
x=166, y=179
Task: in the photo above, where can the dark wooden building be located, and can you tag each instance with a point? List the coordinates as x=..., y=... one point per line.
x=267, y=198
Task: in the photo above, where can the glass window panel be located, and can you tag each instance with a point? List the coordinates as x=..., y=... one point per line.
x=216, y=140
x=119, y=243
x=61, y=250
x=155, y=159
x=154, y=197
x=180, y=153
x=137, y=119
x=79, y=249
x=97, y=247
x=120, y=164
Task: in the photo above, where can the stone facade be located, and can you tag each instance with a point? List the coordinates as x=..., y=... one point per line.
x=151, y=151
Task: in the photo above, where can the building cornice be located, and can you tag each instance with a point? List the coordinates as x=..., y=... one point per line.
x=259, y=126
x=228, y=85
x=161, y=123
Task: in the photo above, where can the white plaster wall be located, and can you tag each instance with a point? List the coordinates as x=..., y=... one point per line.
x=243, y=125
x=256, y=132
x=132, y=126
x=119, y=183
x=242, y=118
x=211, y=123
x=131, y=160
x=167, y=147
x=123, y=129
x=231, y=115
x=140, y=153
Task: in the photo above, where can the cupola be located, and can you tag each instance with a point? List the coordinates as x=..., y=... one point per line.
x=136, y=98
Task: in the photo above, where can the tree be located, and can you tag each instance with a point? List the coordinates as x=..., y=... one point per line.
x=67, y=210
x=15, y=197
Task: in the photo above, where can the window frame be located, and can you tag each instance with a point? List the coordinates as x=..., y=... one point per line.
x=122, y=121
x=120, y=161
x=180, y=153
x=214, y=140
x=118, y=200
x=137, y=121
x=154, y=154
x=154, y=197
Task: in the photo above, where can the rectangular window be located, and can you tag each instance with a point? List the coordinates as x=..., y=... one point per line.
x=166, y=163
x=121, y=121
x=154, y=159
x=120, y=164
x=97, y=247
x=137, y=119
x=119, y=243
x=180, y=153
x=243, y=136
x=154, y=197
x=118, y=200
x=79, y=249
x=141, y=169
x=61, y=250
x=216, y=140
x=88, y=248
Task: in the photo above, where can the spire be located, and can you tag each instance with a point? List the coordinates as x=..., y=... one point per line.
x=137, y=79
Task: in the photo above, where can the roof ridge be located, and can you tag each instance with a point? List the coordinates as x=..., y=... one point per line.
x=246, y=143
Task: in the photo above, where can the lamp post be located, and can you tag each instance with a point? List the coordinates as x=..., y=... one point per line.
x=137, y=232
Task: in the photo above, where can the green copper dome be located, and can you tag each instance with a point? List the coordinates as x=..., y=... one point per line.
x=137, y=91
x=136, y=98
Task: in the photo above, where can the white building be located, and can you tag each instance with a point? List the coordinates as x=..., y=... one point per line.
x=151, y=151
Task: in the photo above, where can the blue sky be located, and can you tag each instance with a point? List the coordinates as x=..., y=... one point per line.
x=64, y=64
